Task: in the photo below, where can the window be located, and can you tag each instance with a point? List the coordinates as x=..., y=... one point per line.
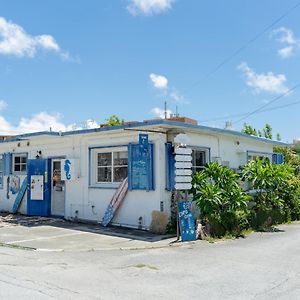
x=111, y=166
x=259, y=156
x=199, y=160
x=19, y=162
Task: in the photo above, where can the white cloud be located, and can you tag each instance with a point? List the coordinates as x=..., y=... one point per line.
x=15, y=41
x=3, y=105
x=41, y=121
x=159, y=112
x=177, y=97
x=149, y=7
x=159, y=81
x=287, y=38
x=264, y=82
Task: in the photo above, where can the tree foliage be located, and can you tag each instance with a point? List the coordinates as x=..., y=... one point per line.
x=266, y=132
x=114, y=121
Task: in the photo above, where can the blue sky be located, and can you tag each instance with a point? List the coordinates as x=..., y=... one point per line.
x=65, y=62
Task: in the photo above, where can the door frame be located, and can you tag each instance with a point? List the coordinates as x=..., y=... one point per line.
x=52, y=160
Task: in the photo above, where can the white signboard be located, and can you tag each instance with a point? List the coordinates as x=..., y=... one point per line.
x=183, y=157
x=183, y=172
x=183, y=186
x=68, y=169
x=183, y=179
x=37, y=187
x=183, y=165
x=184, y=151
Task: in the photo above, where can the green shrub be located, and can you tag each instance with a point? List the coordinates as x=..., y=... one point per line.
x=278, y=192
x=222, y=202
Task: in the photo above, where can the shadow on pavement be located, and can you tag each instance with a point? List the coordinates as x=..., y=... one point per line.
x=8, y=220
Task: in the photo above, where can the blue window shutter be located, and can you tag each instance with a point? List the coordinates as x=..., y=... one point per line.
x=129, y=167
x=278, y=158
x=7, y=164
x=141, y=167
x=151, y=179
x=170, y=167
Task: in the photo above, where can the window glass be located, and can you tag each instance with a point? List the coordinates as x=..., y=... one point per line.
x=104, y=159
x=120, y=158
x=20, y=163
x=104, y=174
x=120, y=173
x=198, y=160
x=112, y=166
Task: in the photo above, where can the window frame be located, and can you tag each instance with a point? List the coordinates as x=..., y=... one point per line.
x=21, y=155
x=252, y=155
x=206, y=151
x=94, y=183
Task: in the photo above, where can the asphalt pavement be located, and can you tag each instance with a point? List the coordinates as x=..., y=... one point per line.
x=260, y=266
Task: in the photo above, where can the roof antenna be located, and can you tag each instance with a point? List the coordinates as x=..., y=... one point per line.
x=165, y=110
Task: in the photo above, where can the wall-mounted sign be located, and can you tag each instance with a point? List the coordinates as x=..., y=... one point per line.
x=144, y=140
x=68, y=169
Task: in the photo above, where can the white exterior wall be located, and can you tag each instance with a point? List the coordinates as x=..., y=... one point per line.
x=229, y=148
x=90, y=203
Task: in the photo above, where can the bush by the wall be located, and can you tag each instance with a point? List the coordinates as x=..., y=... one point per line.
x=222, y=202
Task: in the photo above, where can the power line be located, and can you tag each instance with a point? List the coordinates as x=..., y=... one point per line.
x=244, y=114
x=267, y=104
x=243, y=47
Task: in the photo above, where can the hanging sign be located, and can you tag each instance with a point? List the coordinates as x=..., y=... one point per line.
x=186, y=221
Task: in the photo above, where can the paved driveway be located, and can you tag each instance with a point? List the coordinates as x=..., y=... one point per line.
x=261, y=266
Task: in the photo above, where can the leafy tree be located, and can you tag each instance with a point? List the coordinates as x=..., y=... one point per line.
x=248, y=129
x=114, y=121
x=267, y=131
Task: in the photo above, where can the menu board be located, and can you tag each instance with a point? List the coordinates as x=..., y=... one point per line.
x=186, y=221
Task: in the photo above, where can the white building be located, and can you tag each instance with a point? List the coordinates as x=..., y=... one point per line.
x=75, y=174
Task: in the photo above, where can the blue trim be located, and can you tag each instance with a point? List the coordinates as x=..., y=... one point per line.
x=149, y=123
x=110, y=146
x=170, y=167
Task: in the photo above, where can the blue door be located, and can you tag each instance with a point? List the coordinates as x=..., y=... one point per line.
x=39, y=188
